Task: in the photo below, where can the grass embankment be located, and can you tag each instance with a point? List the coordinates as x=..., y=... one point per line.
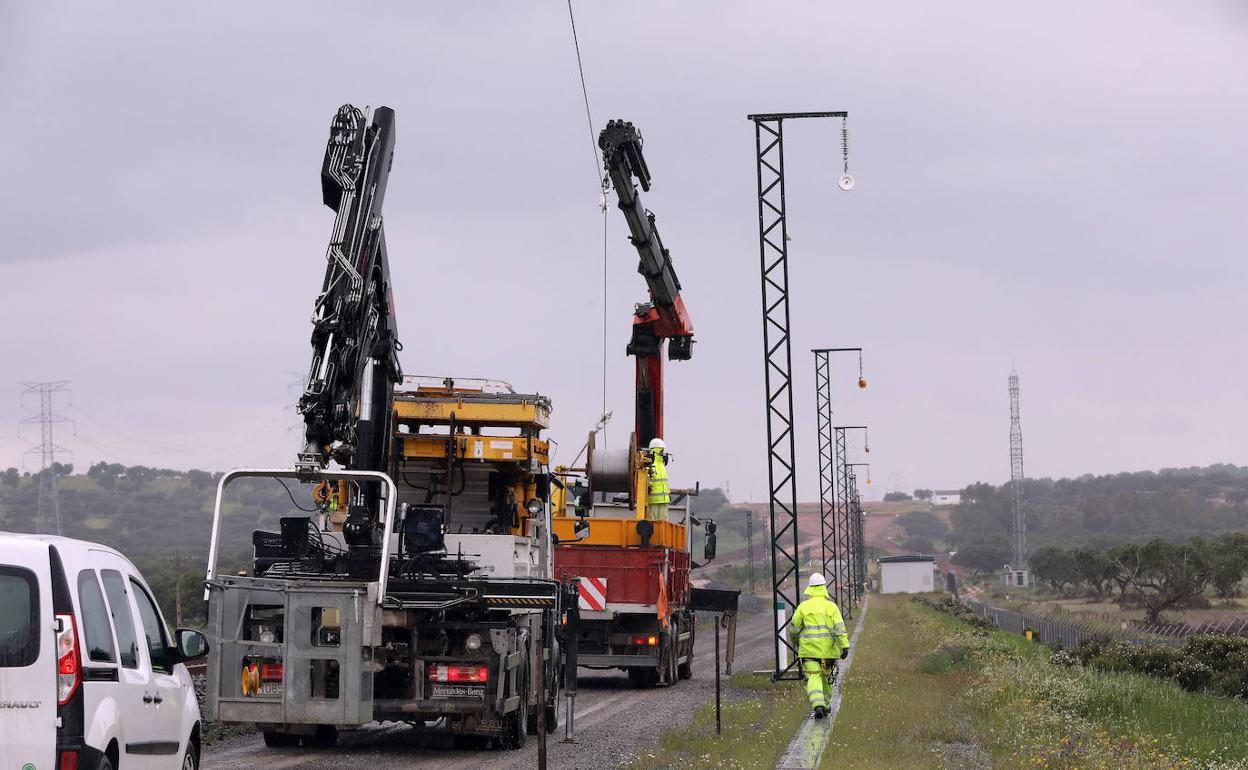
x=760, y=717
x=929, y=691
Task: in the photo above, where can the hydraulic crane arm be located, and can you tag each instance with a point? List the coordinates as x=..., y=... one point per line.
x=346, y=404
x=621, y=145
x=664, y=317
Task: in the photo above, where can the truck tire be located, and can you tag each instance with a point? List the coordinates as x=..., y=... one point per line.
x=641, y=678
x=518, y=726
x=326, y=736
x=685, y=671
x=275, y=740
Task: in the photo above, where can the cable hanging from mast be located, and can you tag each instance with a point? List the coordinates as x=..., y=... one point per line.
x=604, y=184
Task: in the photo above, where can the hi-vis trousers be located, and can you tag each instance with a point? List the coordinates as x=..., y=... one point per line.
x=819, y=673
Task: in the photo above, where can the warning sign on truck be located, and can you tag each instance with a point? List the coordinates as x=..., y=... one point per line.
x=593, y=593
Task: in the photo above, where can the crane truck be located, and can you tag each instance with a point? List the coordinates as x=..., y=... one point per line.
x=632, y=574
x=417, y=584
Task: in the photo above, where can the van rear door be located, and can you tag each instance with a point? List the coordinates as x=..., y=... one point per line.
x=27, y=656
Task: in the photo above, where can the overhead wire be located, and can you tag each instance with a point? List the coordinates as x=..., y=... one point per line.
x=604, y=184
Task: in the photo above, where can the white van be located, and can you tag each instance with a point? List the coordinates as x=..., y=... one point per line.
x=89, y=678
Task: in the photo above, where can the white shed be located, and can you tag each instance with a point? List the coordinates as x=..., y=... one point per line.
x=906, y=574
x=946, y=497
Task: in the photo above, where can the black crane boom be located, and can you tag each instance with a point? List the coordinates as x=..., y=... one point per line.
x=346, y=403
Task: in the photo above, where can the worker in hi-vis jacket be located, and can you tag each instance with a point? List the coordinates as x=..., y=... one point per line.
x=660, y=495
x=818, y=632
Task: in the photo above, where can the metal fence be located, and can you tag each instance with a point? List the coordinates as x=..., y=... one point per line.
x=1072, y=633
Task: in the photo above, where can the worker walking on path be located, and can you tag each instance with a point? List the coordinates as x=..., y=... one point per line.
x=818, y=632
x=660, y=494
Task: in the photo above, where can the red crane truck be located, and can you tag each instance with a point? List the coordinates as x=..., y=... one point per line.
x=632, y=573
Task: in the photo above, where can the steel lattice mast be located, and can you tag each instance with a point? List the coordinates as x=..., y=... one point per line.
x=1016, y=476
x=773, y=244
x=846, y=532
x=858, y=567
x=830, y=553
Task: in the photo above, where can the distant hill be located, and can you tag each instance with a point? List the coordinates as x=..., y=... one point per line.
x=157, y=517
x=1175, y=504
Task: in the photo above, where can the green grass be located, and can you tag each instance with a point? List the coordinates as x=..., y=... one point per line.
x=892, y=714
x=758, y=723
x=926, y=691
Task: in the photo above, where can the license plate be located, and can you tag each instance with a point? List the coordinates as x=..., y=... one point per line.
x=270, y=690
x=455, y=691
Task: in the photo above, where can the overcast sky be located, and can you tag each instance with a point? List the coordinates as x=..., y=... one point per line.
x=1063, y=187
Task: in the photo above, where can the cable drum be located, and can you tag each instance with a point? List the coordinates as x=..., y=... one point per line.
x=610, y=470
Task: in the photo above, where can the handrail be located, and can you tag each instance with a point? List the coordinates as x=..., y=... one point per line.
x=391, y=496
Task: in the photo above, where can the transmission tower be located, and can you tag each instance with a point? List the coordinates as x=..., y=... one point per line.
x=1016, y=477
x=47, y=449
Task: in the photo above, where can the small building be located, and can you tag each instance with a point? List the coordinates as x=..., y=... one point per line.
x=910, y=574
x=946, y=497
x=1016, y=577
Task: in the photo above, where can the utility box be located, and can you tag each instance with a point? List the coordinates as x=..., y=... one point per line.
x=911, y=574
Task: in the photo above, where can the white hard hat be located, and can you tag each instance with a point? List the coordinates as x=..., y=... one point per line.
x=657, y=443
x=817, y=579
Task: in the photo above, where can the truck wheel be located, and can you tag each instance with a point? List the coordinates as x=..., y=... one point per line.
x=672, y=669
x=552, y=716
x=275, y=740
x=326, y=736
x=686, y=669
x=643, y=677
x=518, y=727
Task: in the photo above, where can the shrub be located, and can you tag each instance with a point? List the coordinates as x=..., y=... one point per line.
x=1219, y=653
x=1065, y=658
x=1232, y=684
x=1152, y=660
x=1191, y=674
x=950, y=606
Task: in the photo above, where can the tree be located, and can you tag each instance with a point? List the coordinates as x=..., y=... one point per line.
x=923, y=524
x=708, y=501
x=1055, y=566
x=1094, y=568
x=1229, y=561
x=199, y=479
x=923, y=494
x=12, y=478
x=983, y=555
x=896, y=497
x=1166, y=574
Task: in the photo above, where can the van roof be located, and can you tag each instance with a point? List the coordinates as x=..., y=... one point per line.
x=61, y=542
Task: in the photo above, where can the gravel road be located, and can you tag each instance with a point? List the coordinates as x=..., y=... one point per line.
x=613, y=722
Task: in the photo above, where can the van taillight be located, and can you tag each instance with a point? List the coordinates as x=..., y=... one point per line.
x=68, y=663
x=69, y=760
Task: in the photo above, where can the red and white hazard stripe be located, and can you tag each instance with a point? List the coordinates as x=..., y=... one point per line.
x=593, y=593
